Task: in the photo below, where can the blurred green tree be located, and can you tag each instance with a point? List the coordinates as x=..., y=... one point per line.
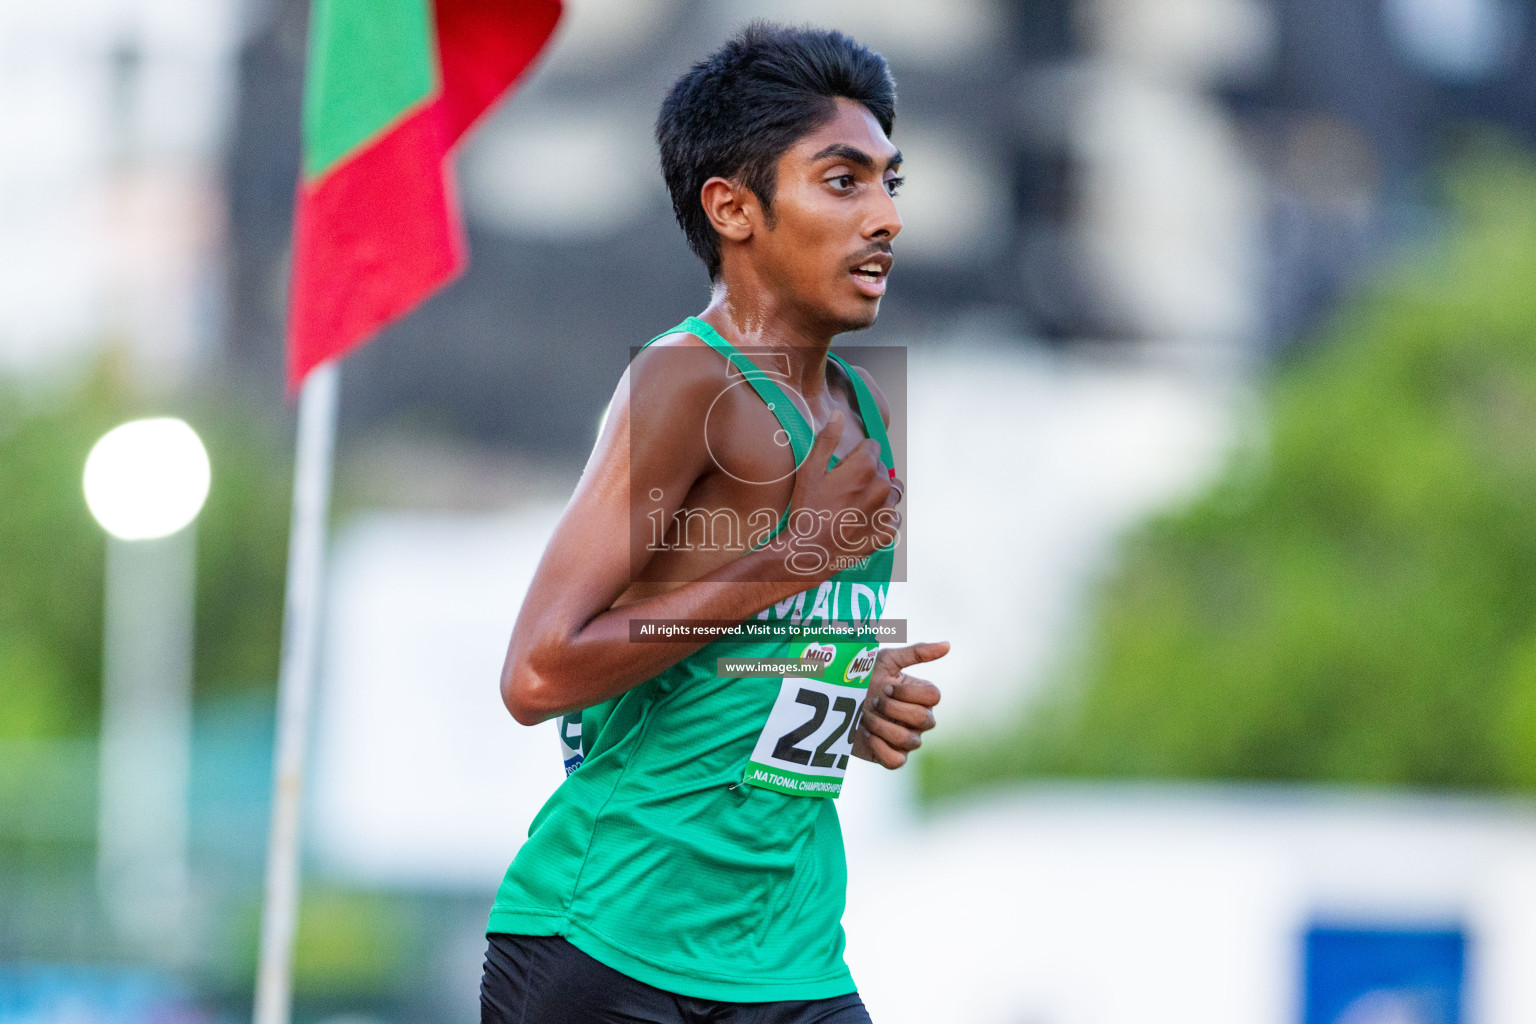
x=52, y=552
x=1355, y=600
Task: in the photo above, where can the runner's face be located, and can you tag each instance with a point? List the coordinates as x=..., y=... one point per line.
x=835, y=219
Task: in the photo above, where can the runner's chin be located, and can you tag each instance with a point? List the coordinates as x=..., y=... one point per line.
x=859, y=317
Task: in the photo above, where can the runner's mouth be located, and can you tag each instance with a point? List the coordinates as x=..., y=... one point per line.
x=873, y=270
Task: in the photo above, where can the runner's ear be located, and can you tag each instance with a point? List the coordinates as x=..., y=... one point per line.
x=725, y=204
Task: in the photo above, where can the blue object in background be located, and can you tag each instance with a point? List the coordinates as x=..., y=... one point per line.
x=83, y=994
x=1379, y=976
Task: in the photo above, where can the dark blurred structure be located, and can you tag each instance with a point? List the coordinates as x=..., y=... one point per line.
x=525, y=349
x=1360, y=105
x=1282, y=145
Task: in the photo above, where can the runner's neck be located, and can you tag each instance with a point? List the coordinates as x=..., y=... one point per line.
x=805, y=350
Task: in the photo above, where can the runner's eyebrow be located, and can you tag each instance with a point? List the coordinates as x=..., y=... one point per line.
x=854, y=155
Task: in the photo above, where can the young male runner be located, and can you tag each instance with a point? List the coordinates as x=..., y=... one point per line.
x=691, y=868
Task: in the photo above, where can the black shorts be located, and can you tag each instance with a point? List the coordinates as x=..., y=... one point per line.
x=542, y=979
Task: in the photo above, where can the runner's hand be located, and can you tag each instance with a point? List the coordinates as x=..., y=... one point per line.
x=852, y=503
x=898, y=708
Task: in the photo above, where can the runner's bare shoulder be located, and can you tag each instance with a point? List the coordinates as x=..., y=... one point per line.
x=667, y=393
x=876, y=393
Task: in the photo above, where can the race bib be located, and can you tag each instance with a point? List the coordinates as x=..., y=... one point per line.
x=807, y=741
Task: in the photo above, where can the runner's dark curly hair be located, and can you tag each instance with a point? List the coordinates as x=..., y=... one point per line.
x=737, y=111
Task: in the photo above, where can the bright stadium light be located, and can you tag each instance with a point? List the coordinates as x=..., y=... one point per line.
x=147, y=478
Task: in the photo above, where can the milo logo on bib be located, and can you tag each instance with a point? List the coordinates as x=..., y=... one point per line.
x=824, y=653
x=861, y=665
x=841, y=662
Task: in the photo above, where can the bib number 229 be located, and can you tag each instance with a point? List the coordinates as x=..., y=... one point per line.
x=806, y=743
x=786, y=749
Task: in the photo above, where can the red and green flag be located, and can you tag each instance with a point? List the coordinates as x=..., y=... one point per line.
x=392, y=86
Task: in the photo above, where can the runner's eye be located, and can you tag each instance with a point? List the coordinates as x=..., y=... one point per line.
x=842, y=182
x=893, y=185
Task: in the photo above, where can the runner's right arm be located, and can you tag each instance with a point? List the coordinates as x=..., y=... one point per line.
x=570, y=647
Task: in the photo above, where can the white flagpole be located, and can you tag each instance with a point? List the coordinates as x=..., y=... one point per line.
x=301, y=627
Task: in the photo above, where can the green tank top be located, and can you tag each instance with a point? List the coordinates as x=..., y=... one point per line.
x=692, y=845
